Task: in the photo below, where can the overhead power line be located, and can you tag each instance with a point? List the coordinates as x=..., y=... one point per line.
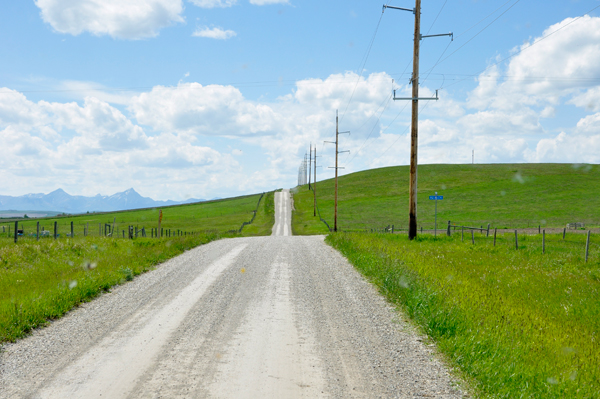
x=362, y=66
x=530, y=45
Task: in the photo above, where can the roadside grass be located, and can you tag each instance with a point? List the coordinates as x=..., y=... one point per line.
x=219, y=215
x=303, y=220
x=505, y=195
x=41, y=281
x=265, y=217
x=517, y=323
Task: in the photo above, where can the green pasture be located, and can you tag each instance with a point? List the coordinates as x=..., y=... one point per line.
x=265, y=217
x=516, y=323
x=505, y=195
x=220, y=216
x=42, y=280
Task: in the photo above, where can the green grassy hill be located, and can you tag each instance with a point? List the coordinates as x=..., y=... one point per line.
x=216, y=216
x=505, y=195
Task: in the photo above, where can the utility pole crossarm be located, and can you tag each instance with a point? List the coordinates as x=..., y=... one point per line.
x=418, y=98
x=440, y=34
x=398, y=8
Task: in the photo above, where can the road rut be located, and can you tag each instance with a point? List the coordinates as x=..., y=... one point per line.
x=276, y=316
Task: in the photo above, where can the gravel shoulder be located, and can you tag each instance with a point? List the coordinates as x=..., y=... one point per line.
x=276, y=316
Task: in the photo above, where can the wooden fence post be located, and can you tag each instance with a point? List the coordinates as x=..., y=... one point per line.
x=543, y=241
x=495, y=230
x=72, y=232
x=564, y=232
x=448, y=232
x=488, y=231
x=587, y=246
x=55, y=230
x=516, y=240
x=16, y=231
x=472, y=236
x=539, y=228
x=462, y=233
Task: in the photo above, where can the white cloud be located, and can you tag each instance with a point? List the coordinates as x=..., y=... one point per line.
x=131, y=19
x=214, y=33
x=561, y=65
x=588, y=99
x=267, y=2
x=213, y=3
x=211, y=110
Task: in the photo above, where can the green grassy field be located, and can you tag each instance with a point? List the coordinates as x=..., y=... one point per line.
x=518, y=324
x=42, y=280
x=505, y=195
x=265, y=218
x=220, y=216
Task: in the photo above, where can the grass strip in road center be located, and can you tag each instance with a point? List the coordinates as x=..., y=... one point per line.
x=42, y=280
x=519, y=324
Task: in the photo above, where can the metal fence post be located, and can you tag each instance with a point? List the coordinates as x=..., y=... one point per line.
x=16, y=231
x=543, y=241
x=587, y=246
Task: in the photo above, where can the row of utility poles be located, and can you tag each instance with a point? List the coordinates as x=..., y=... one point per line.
x=414, y=131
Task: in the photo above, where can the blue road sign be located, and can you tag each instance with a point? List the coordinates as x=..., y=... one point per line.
x=436, y=197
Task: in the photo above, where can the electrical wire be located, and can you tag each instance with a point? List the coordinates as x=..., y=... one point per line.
x=530, y=45
x=364, y=62
x=477, y=34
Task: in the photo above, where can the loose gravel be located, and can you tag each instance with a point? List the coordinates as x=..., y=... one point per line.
x=275, y=316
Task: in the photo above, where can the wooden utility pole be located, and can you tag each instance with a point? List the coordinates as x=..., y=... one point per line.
x=414, y=129
x=309, y=164
x=337, y=134
x=315, y=185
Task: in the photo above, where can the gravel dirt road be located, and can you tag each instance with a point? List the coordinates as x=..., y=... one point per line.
x=261, y=317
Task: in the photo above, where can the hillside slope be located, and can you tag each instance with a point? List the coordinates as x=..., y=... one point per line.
x=505, y=195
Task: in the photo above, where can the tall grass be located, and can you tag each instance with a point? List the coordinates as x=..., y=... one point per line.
x=40, y=281
x=265, y=217
x=220, y=215
x=505, y=195
x=519, y=324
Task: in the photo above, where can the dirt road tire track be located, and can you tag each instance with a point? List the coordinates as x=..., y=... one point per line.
x=275, y=316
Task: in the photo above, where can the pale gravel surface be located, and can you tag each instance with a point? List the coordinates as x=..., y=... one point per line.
x=275, y=316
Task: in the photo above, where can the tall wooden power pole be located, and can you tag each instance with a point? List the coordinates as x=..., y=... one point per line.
x=315, y=185
x=337, y=134
x=309, y=164
x=414, y=128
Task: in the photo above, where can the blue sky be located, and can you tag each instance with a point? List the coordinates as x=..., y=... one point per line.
x=206, y=98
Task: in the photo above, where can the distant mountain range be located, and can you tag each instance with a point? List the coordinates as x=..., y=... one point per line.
x=60, y=201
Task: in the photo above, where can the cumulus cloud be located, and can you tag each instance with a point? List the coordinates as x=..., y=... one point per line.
x=211, y=110
x=267, y=2
x=546, y=70
x=213, y=3
x=214, y=33
x=132, y=19
x=94, y=148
